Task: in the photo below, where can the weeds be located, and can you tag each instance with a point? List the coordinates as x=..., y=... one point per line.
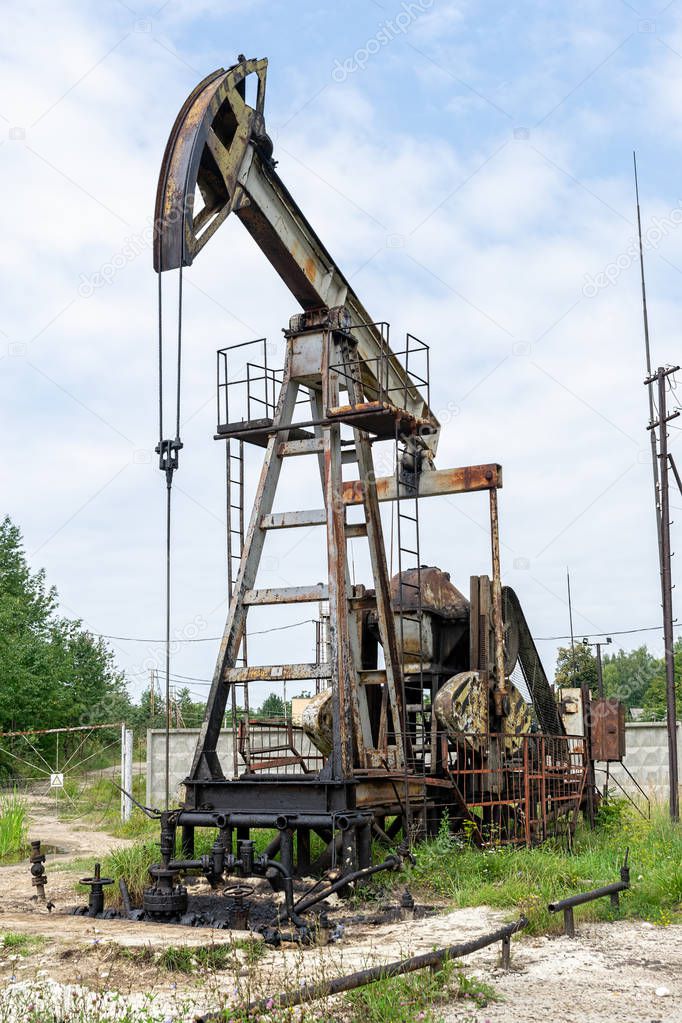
x=20, y=944
x=131, y=863
x=13, y=824
x=416, y=996
x=48, y=1002
x=528, y=879
x=192, y=958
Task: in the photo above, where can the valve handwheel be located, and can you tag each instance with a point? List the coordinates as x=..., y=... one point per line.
x=238, y=891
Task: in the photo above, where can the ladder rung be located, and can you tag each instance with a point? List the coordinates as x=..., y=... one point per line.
x=287, y=595
x=294, y=519
x=375, y=677
x=355, y=529
x=275, y=672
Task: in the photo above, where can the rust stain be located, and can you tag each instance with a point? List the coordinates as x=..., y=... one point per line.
x=309, y=269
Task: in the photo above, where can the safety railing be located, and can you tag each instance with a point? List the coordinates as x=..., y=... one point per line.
x=276, y=746
x=247, y=388
x=375, y=371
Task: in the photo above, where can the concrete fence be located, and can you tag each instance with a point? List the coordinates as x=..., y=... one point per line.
x=183, y=743
x=646, y=759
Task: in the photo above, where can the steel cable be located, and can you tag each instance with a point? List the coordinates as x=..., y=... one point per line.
x=168, y=462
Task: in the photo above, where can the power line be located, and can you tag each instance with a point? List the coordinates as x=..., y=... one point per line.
x=305, y=621
x=611, y=632
x=192, y=678
x=199, y=639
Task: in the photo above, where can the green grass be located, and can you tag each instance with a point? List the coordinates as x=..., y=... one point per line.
x=131, y=863
x=191, y=958
x=526, y=880
x=416, y=996
x=13, y=824
x=20, y=944
x=99, y=803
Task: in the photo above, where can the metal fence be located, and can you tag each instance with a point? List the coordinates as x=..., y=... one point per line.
x=71, y=771
x=277, y=747
x=515, y=789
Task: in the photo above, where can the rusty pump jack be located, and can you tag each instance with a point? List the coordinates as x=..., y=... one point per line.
x=219, y=153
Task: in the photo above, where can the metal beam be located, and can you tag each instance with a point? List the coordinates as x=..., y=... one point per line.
x=287, y=595
x=301, y=447
x=237, y=175
x=277, y=672
x=294, y=519
x=435, y=483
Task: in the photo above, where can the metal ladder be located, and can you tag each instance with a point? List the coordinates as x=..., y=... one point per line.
x=234, y=491
x=409, y=597
x=256, y=757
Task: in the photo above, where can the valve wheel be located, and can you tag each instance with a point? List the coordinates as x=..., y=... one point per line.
x=238, y=891
x=96, y=880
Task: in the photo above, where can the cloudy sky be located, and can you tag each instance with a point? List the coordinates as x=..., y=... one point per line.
x=468, y=165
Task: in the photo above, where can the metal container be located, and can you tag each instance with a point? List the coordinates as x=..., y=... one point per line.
x=607, y=719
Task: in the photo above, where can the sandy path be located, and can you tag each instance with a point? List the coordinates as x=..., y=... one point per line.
x=625, y=972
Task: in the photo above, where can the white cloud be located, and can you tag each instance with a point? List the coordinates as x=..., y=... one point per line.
x=474, y=261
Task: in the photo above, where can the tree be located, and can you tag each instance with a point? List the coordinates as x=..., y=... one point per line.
x=272, y=707
x=654, y=702
x=576, y=666
x=54, y=673
x=191, y=711
x=628, y=676
x=148, y=714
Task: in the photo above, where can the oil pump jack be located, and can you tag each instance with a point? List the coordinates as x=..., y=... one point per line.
x=427, y=703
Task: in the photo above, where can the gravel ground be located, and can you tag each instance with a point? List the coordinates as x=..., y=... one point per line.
x=625, y=972
x=622, y=971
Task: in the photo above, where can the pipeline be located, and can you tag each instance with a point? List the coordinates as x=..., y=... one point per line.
x=390, y=863
x=583, y=897
x=565, y=906
x=288, y=884
x=432, y=960
x=125, y=898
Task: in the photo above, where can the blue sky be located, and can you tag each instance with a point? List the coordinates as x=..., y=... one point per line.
x=470, y=167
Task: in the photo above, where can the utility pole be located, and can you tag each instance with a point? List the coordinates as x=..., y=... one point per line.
x=650, y=378
x=600, y=675
x=660, y=377
x=570, y=620
x=585, y=706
